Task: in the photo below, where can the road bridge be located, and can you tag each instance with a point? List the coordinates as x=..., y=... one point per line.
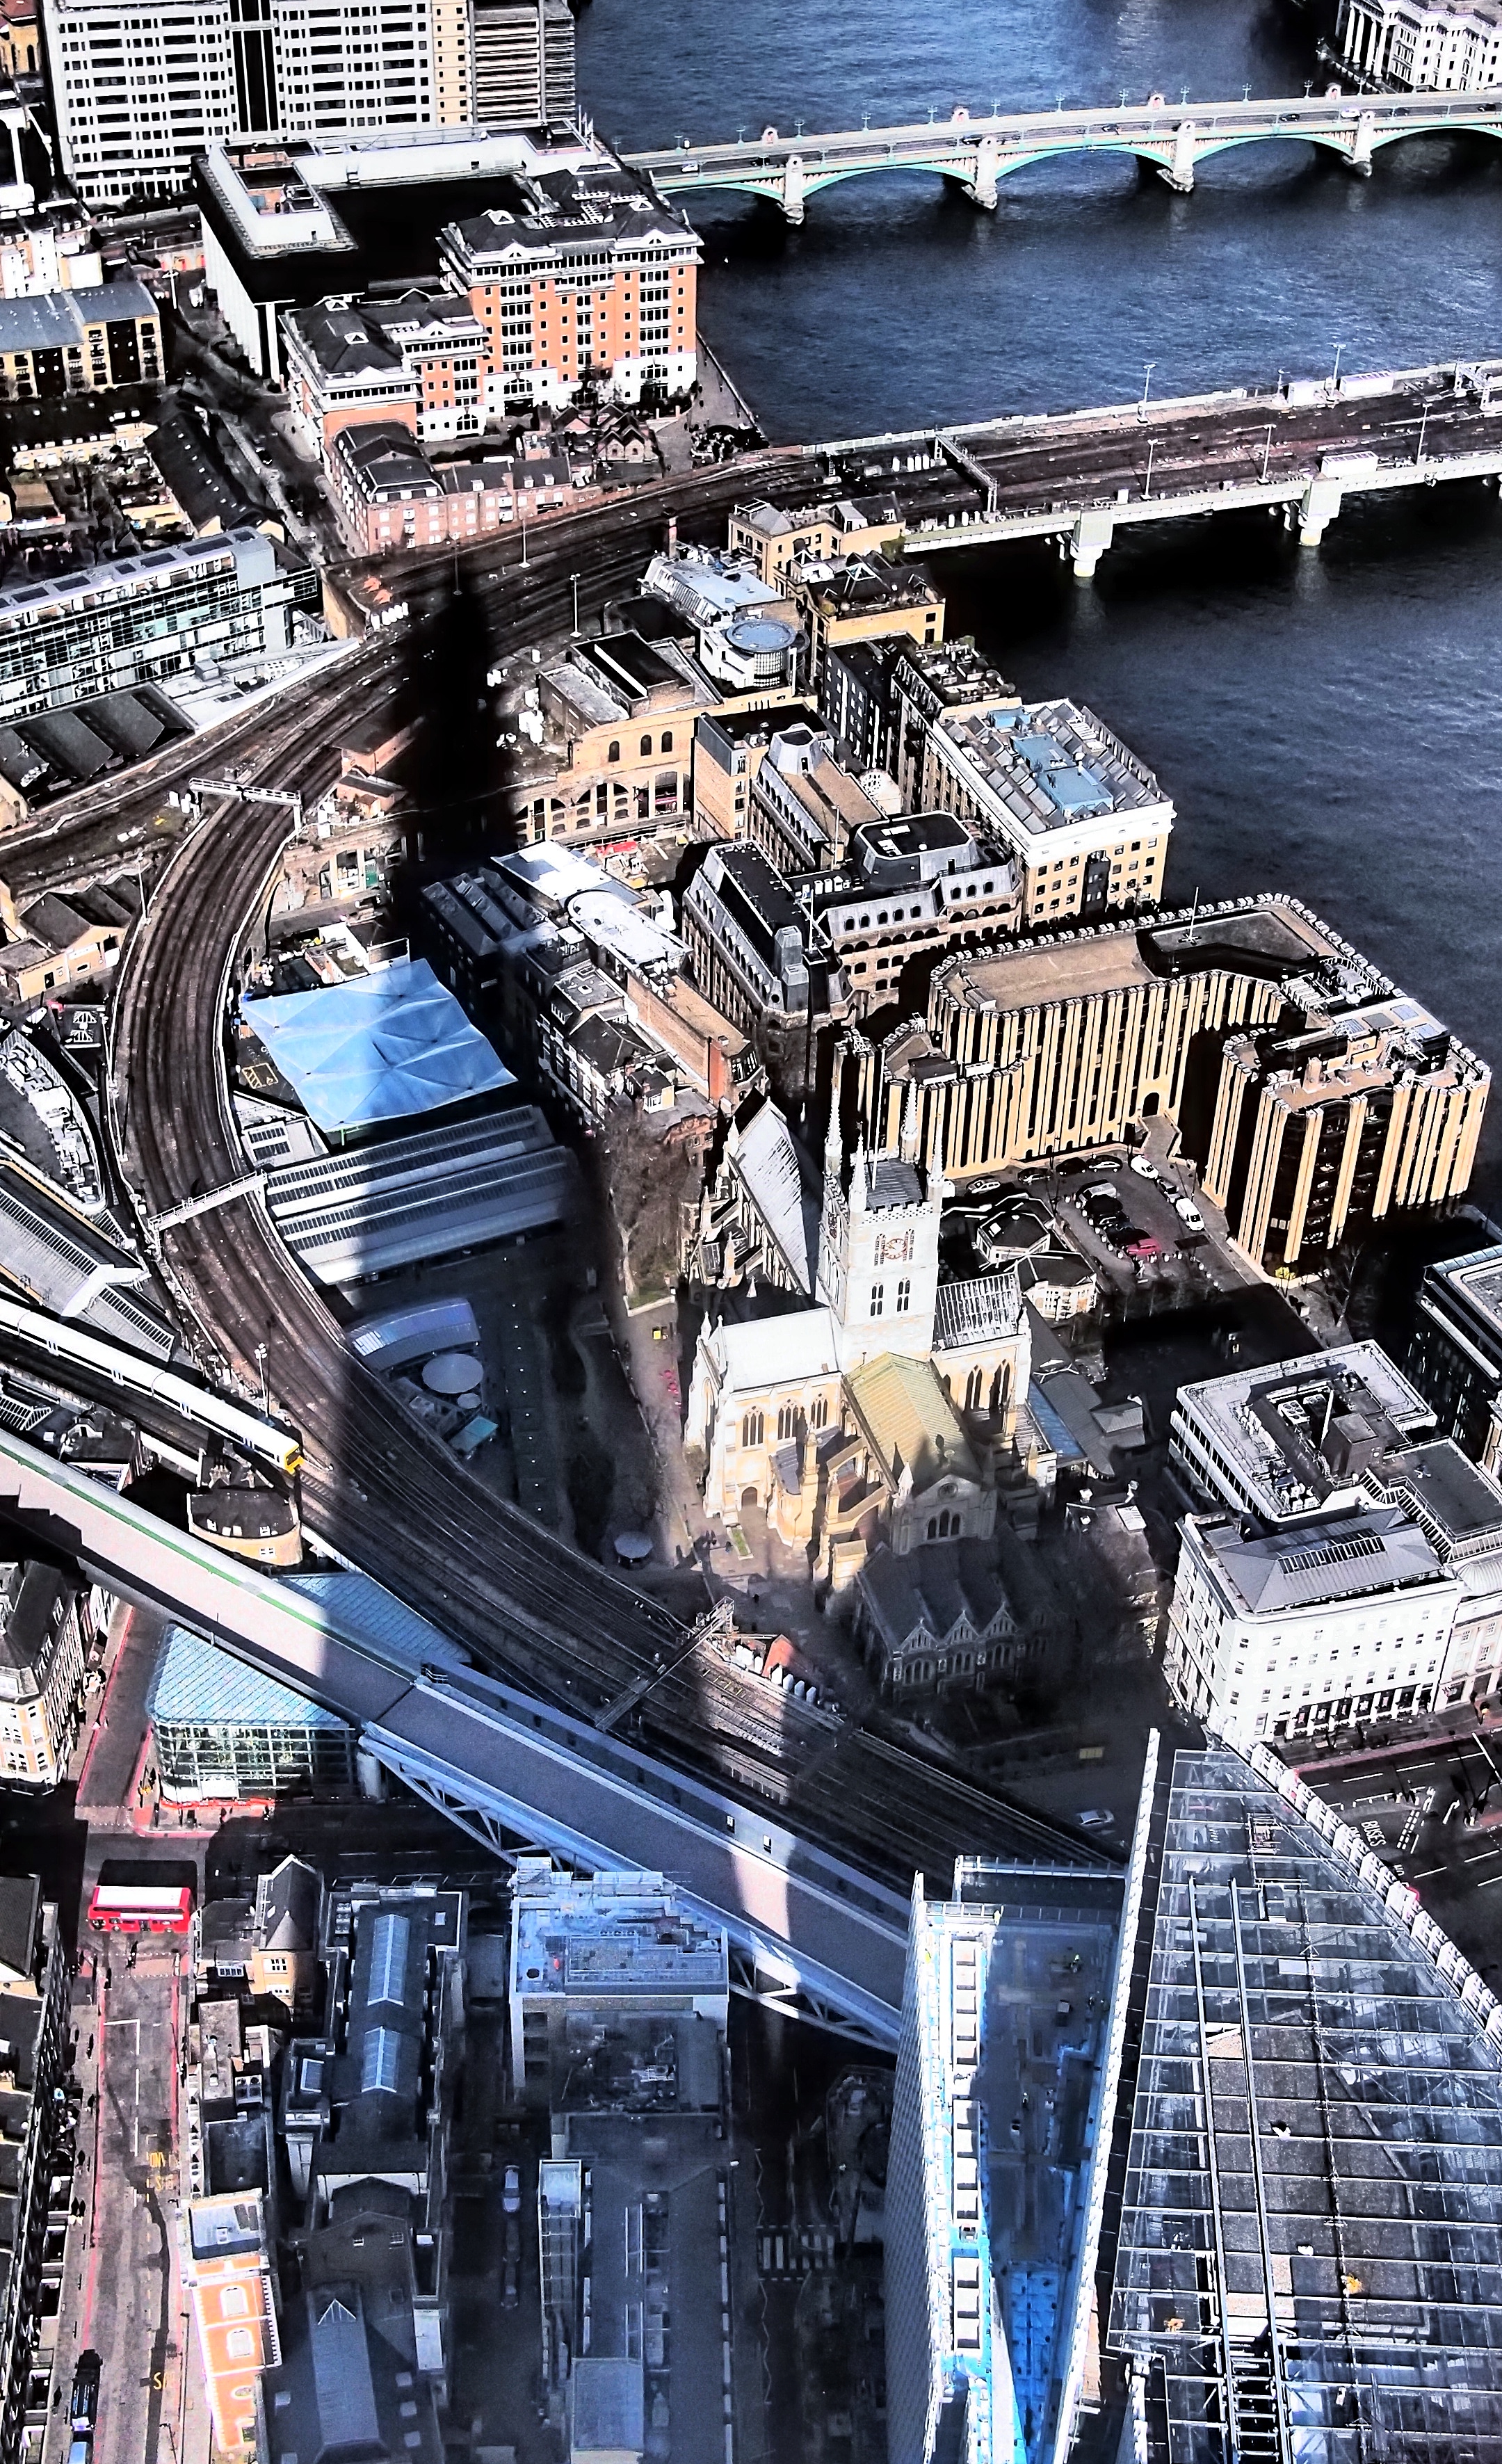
x=976, y=154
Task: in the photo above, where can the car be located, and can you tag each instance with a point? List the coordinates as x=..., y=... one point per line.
x=80, y=2447
x=1144, y=1165
x=511, y=2290
x=83, y=2408
x=511, y=2192
x=1188, y=1213
x=513, y=2237
x=1096, y=1817
x=1102, y=1189
x=1144, y=1246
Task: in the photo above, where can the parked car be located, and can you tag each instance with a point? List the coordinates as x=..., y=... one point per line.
x=511, y=2291
x=83, y=2409
x=1096, y=1817
x=1146, y=1167
x=514, y=2238
x=1144, y=1246
x=1188, y=1213
x=511, y=2192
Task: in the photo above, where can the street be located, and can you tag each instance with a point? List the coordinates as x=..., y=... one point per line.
x=1432, y=1810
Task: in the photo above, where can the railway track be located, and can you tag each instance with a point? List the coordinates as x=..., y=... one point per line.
x=377, y=1487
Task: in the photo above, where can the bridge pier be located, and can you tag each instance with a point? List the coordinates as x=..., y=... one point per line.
x=1179, y=172
x=982, y=189
x=794, y=189
x=1093, y=533
x=1318, y=509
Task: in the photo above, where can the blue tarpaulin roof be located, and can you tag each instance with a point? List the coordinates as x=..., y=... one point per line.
x=378, y=1049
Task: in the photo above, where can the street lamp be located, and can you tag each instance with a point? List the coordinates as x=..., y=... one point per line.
x=1147, y=378
x=574, y=579
x=1335, y=378
x=1267, y=448
x=260, y=1363
x=1147, y=484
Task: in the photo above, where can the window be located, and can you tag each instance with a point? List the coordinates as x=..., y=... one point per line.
x=974, y=1387
x=819, y=1411
x=904, y=1297
x=786, y=1422
x=613, y=750
x=240, y=2345
x=752, y=1429
x=878, y=1298
x=234, y=2302
x=667, y=741
x=646, y=743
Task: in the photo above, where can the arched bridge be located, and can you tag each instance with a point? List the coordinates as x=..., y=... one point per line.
x=976, y=154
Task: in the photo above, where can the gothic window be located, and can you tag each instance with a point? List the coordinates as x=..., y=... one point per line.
x=752, y=1429
x=974, y=1387
x=904, y=1297
x=819, y=1411
x=879, y=1299
x=787, y=1422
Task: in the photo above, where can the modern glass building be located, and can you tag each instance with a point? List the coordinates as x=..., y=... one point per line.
x=220, y=1731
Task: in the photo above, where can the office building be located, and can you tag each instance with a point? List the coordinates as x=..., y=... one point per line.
x=1455, y=1356
x=1087, y=821
x=570, y=264
x=855, y=597
x=729, y=749
x=412, y=362
x=613, y=1949
x=1007, y=2070
x=1422, y=46
x=618, y=2008
x=140, y=620
x=608, y=741
x=142, y=91
x=391, y=496
x=1317, y=2072
x=47, y=1627
x=1357, y=1577
x=229, y=2274
x=69, y=341
x=748, y=939
x=924, y=683
x=1322, y=1132
x=776, y=538
x=521, y=63
x=744, y=635
x=594, y=278
x=1061, y=1045
x=34, y=1972
x=804, y=804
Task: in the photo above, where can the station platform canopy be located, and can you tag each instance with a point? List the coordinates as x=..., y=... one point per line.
x=380, y=1048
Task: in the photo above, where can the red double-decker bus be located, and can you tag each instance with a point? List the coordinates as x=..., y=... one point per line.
x=141, y=1907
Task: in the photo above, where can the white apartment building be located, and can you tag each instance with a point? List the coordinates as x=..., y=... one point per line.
x=1297, y=1634
x=144, y=85
x=1452, y=48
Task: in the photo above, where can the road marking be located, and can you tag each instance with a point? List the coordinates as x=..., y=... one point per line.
x=1486, y=1880
x=1429, y=1873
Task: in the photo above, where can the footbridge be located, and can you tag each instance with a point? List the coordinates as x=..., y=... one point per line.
x=976, y=154
x=812, y=1935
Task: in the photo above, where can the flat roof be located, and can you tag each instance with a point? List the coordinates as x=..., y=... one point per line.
x=1272, y=1427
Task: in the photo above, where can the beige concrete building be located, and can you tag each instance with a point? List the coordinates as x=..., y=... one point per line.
x=729, y=749
x=1321, y=1134
x=858, y=597
x=802, y=804
x=227, y=2272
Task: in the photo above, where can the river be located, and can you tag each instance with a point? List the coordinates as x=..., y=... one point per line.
x=1326, y=722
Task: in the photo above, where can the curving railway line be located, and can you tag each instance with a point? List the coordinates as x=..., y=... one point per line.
x=377, y=1487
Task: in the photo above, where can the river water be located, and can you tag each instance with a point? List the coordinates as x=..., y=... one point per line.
x=1330, y=722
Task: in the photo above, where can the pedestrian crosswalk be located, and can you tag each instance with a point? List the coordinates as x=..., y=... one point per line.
x=788, y=2254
